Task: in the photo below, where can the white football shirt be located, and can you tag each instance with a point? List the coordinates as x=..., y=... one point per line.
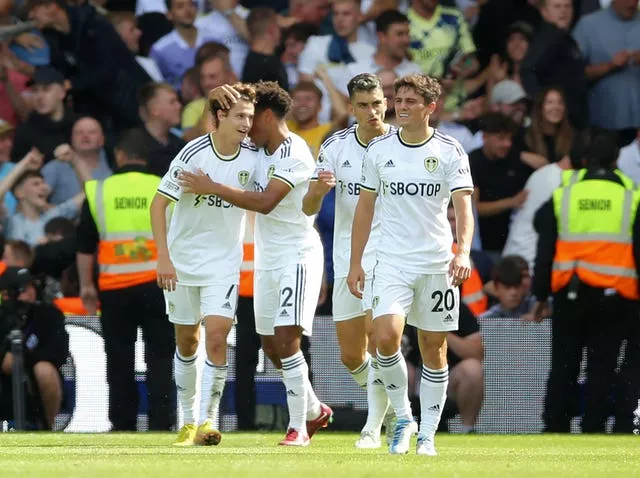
x=342, y=154
x=286, y=235
x=205, y=233
x=414, y=183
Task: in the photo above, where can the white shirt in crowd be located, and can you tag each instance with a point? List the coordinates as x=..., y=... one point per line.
x=523, y=238
x=205, y=233
x=414, y=183
x=629, y=160
x=342, y=154
x=286, y=235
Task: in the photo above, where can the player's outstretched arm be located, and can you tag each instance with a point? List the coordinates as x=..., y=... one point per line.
x=318, y=189
x=166, y=273
x=362, y=219
x=263, y=202
x=460, y=267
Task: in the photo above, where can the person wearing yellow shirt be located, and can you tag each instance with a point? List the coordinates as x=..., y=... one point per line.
x=307, y=101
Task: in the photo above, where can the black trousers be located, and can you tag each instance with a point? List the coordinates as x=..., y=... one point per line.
x=246, y=360
x=123, y=311
x=597, y=321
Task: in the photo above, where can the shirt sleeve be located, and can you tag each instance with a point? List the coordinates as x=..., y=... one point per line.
x=370, y=179
x=67, y=209
x=293, y=171
x=546, y=226
x=324, y=163
x=581, y=36
x=308, y=60
x=87, y=231
x=458, y=173
x=465, y=40
x=169, y=186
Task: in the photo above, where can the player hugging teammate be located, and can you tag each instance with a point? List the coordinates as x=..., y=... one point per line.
x=392, y=251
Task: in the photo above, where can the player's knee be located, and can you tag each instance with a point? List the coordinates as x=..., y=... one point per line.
x=388, y=341
x=216, y=342
x=187, y=345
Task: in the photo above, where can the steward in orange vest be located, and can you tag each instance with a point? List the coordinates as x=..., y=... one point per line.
x=588, y=256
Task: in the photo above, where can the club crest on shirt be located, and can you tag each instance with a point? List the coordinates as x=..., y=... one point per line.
x=431, y=164
x=243, y=177
x=271, y=170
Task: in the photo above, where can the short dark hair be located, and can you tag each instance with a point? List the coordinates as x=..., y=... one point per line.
x=60, y=225
x=309, y=86
x=134, y=143
x=509, y=271
x=247, y=93
x=148, y=91
x=497, y=123
x=24, y=177
x=425, y=86
x=604, y=149
x=259, y=21
x=211, y=49
x=271, y=96
x=388, y=18
x=21, y=250
x=300, y=31
x=363, y=82
x=31, y=4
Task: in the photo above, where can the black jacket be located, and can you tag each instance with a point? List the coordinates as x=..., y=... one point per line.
x=104, y=74
x=546, y=224
x=43, y=133
x=554, y=59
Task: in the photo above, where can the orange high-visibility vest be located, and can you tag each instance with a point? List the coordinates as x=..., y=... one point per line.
x=595, y=239
x=246, y=269
x=71, y=306
x=127, y=253
x=472, y=290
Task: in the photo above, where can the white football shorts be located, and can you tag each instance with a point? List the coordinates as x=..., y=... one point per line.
x=287, y=296
x=347, y=306
x=428, y=301
x=188, y=304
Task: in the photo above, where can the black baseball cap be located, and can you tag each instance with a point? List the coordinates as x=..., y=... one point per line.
x=521, y=27
x=46, y=75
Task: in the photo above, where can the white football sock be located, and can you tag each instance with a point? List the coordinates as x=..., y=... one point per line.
x=186, y=373
x=313, y=403
x=214, y=378
x=377, y=399
x=433, y=394
x=393, y=371
x=294, y=370
x=361, y=373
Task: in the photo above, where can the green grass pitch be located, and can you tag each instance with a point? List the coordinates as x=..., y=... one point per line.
x=331, y=455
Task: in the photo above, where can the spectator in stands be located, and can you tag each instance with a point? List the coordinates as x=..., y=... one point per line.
x=160, y=112
x=307, y=99
x=509, y=98
x=55, y=256
x=294, y=39
x=33, y=210
x=550, y=135
x=14, y=99
x=46, y=350
x=227, y=24
x=629, y=159
x=17, y=254
x=441, y=42
x=125, y=25
x=175, y=52
x=215, y=71
x=392, y=29
x=554, y=59
x=190, y=85
x=311, y=12
x=613, y=66
x=101, y=73
x=50, y=123
x=387, y=79
x=506, y=65
x=262, y=63
x=343, y=47
x=511, y=289
x=6, y=144
x=457, y=131
x=499, y=177
x=77, y=163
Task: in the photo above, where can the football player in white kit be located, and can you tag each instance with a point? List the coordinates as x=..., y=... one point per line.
x=199, y=259
x=340, y=165
x=413, y=173
x=288, y=258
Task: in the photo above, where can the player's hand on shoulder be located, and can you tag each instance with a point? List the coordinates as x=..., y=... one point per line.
x=355, y=281
x=196, y=183
x=166, y=274
x=460, y=268
x=326, y=181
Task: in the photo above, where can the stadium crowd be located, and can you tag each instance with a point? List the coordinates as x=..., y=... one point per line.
x=526, y=85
